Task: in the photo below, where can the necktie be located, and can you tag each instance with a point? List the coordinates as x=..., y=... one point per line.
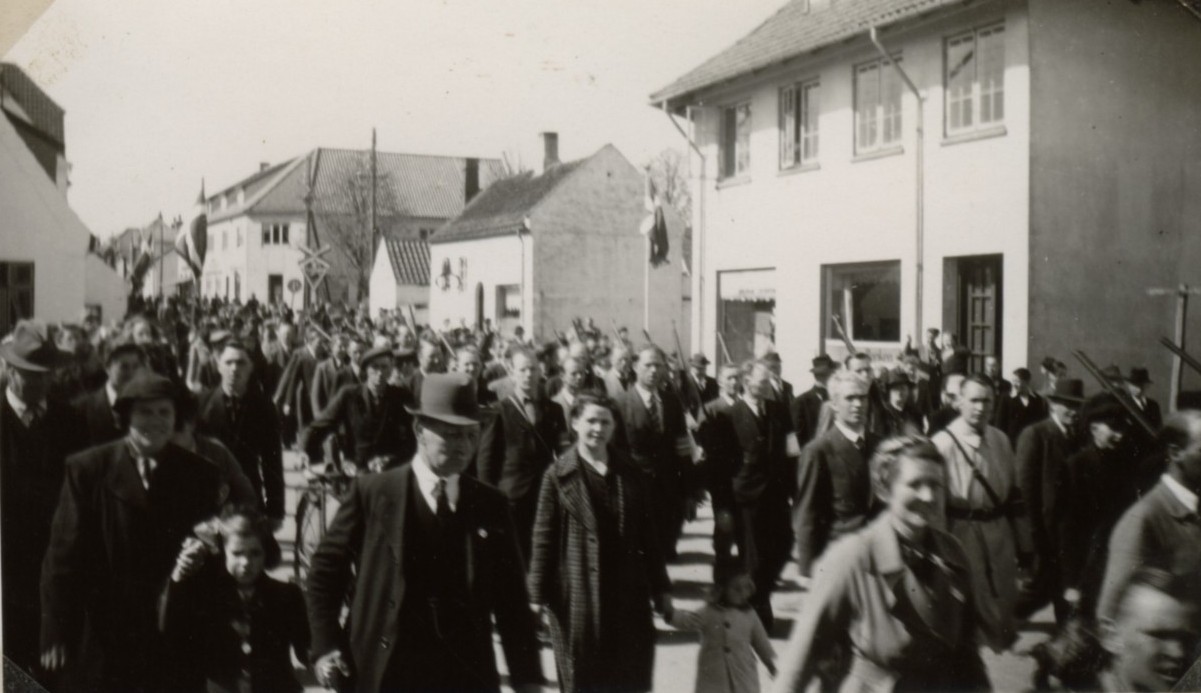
x=235, y=409
x=655, y=416
x=146, y=466
x=441, y=501
x=531, y=412
x=860, y=445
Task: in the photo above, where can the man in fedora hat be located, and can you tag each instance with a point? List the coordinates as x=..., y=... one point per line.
x=807, y=408
x=696, y=386
x=369, y=416
x=124, y=511
x=1102, y=479
x=1022, y=408
x=433, y=554
x=244, y=420
x=1042, y=452
x=36, y=435
x=1137, y=383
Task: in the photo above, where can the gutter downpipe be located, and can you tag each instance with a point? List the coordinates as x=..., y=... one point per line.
x=698, y=269
x=921, y=182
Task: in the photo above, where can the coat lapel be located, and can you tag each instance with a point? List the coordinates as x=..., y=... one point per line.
x=123, y=478
x=575, y=496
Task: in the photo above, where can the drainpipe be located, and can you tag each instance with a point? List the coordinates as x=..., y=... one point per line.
x=525, y=227
x=921, y=182
x=698, y=236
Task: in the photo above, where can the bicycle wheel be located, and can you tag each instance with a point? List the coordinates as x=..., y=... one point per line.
x=310, y=528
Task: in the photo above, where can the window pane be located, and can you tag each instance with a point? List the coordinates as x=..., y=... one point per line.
x=867, y=299
x=789, y=115
x=891, y=105
x=266, y=234
x=810, y=108
x=286, y=242
x=961, y=71
x=727, y=142
x=867, y=101
x=742, y=144
x=992, y=75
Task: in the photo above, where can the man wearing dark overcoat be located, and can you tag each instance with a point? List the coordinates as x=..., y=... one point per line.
x=697, y=388
x=723, y=458
x=433, y=557
x=807, y=407
x=293, y=395
x=651, y=429
x=761, y=486
x=1042, y=453
x=36, y=435
x=834, y=496
x=242, y=418
x=520, y=441
x=122, y=361
x=124, y=511
x=370, y=417
x=1021, y=408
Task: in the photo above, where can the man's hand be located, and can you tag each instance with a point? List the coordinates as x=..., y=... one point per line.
x=191, y=558
x=287, y=409
x=54, y=658
x=725, y=521
x=331, y=669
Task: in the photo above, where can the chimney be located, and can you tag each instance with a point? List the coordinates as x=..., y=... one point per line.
x=471, y=185
x=263, y=166
x=550, y=147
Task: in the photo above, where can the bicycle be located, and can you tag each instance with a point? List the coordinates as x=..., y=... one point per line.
x=325, y=485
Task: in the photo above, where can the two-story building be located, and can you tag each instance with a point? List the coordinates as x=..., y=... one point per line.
x=257, y=227
x=541, y=249
x=1051, y=179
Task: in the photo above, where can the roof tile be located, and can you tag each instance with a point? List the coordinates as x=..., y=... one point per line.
x=410, y=259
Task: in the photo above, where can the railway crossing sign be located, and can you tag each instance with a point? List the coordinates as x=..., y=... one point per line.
x=313, y=265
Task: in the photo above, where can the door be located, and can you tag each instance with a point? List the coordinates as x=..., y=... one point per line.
x=275, y=288
x=980, y=285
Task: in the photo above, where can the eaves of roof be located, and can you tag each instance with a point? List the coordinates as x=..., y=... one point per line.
x=792, y=31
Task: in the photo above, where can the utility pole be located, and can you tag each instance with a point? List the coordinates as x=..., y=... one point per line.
x=1182, y=293
x=161, y=255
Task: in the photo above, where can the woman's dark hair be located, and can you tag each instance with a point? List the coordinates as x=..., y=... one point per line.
x=244, y=523
x=586, y=399
x=886, y=460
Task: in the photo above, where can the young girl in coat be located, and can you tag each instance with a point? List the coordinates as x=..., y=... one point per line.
x=234, y=624
x=731, y=636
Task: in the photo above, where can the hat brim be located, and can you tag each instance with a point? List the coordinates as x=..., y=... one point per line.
x=16, y=361
x=453, y=419
x=1064, y=399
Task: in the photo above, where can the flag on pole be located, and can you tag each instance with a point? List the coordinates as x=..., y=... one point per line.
x=655, y=224
x=142, y=264
x=192, y=241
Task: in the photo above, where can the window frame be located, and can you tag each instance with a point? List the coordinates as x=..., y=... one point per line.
x=880, y=115
x=976, y=91
x=727, y=150
x=799, y=124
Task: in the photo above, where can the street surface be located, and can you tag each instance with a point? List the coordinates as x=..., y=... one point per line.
x=675, y=657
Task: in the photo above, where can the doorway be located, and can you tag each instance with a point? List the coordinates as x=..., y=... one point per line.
x=275, y=288
x=975, y=283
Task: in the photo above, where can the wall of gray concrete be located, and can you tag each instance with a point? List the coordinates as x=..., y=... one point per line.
x=1115, y=180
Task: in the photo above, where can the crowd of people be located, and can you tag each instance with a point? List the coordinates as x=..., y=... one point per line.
x=501, y=485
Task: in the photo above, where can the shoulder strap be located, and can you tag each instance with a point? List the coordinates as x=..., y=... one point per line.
x=988, y=489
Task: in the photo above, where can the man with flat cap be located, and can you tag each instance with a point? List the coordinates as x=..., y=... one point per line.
x=244, y=420
x=433, y=557
x=1042, y=454
x=370, y=417
x=36, y=435
x=122, y=361
x=124, y=511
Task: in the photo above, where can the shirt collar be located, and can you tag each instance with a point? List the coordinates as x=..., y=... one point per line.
x=848, y=433
x=1185, y=496
x=755, y=404
x=111, y=393
x=647, y=395
x=427, y=479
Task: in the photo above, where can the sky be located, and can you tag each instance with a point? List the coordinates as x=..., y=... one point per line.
x=160, y=94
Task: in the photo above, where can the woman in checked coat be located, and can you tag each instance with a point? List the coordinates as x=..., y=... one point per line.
x=596, y=566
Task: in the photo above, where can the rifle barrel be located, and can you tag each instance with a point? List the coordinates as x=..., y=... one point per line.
x=1122, y=398
x=1184, y=355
